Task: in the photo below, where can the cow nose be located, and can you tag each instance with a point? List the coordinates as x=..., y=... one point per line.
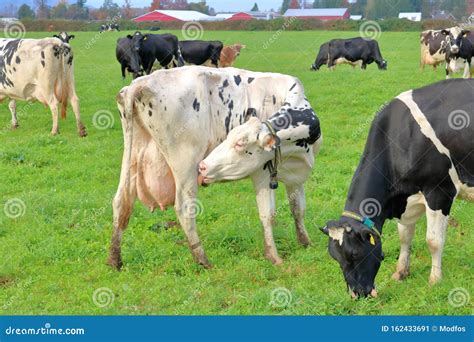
x=202, y=168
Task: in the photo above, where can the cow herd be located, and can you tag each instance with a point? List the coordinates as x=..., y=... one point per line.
x=187, y=126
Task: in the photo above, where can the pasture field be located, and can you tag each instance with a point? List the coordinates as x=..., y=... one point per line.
x=53, y=250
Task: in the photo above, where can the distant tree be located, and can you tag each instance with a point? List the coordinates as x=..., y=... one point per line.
x=42, y=10
x=254, y=8
x=330, y=3
x=25, y=12
x=60, y=10
x=284, y=6
x=294, y=4
x=78, y=11
x=155, y=4
x=199, y=6
x=127, y=9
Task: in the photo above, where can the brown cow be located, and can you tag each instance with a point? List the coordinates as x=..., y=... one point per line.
x=228, y=55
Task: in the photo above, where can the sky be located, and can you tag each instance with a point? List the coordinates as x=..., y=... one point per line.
x=218, y=5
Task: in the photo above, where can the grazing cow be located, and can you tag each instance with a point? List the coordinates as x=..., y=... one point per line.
x=128, y=57
x=323, y=58
x=64, y=36
x=199, y=52
x=109, y=27
x=229, y=54
x=418, y=159
x=353, y=50
x=433, y=48
x=172, y=119
x=459, y=51
x=161, y=47
x=42, y=70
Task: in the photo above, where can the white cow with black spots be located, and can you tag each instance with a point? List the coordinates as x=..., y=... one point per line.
x=172, y=119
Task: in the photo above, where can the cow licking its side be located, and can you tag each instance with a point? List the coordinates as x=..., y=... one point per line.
x=41, y=70
x=174, y=118
x=199, y=52
x=459, y=51
x=419, y=157
x=229, y=54
x=161, y=47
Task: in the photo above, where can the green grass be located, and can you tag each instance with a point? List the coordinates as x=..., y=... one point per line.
x=53, y=257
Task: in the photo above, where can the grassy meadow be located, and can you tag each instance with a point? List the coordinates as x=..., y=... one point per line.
x=53, y=249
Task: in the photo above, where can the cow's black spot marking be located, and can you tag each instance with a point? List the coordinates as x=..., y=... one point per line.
x=43, y=63
x=165, y=108
x=210, y=92
x=69, y=61
x=196, y=105
x=231, y=105
x=237, y=79
x=294, y=85
x=225, y=84
x=150, y=105
x=9, y=49
x=17, y=60
x=274, y=99
x=42, y=54
x=250, y=80
x=14, y=69
x=150, y=113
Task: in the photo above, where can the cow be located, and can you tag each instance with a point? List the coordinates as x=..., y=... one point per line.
x=41, y=70
x=432, y=48
x=64, y=36
x=459, y=51
x=355, y=50
x=229, y=54
x=109, y=27
x=128, y=57
x=199, y=52
x=419, y=157
x=161, y=47
x=323, y=58
x=172, y=119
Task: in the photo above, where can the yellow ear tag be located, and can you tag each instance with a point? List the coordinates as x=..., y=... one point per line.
x=145, y=38
x=372, y=240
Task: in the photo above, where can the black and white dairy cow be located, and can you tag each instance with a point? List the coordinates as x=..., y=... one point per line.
x=64, y=36
x=351, y=51
x=459, y=51
x=41, y=70
x=419, y=157
x=199, y=52
x=323, y=57
x=161, y=47
x=167, y=132
x=432, y=48
x=109, y=27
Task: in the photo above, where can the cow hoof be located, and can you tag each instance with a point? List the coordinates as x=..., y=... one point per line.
x=54, y=133
x=275, y=260
x=82, y=132
x=115, y=263
x=399, y=276
x=304, y=240
x=15, y=126
x=434, y=280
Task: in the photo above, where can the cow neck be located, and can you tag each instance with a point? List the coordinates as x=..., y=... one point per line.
x=370, y=189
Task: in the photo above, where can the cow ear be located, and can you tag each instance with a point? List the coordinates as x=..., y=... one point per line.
x=445, y=32
x=72, y=36
x=270, y=142
x=465, y=33
x=145, y=37
x=55, y=36
x=129, y=36
x=324, y=230
x=368, y=235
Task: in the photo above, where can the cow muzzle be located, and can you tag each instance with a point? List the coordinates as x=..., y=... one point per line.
x=203, y=170
x=454, y=49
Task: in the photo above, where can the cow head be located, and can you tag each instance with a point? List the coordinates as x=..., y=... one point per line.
x=247, y=148
x=137, y=40
x=64, y=36
x=358, y=250
x=134, y=59
x=455, y=37
x=382, y=65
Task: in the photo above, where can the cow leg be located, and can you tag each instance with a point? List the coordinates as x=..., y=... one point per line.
x=406, y=233
x=12, y=107
x=77, y=113
x=448, y=73
x=297, y=201
x=266, y=211
x=435, y=237
x=53, y=106
x=467, y=70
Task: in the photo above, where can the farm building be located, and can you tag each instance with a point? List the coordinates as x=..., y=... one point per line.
x=173, y=15
x=413, y=16
x=319, y=13
x=248, y=16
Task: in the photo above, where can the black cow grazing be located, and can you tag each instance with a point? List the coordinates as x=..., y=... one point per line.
x=161, y=47
x=418, y=159
x=322, y=57
x=198, y=52
x=433, y=48
x=354, y=50
x=128, y=57
x=64, y=36
x=459, y=51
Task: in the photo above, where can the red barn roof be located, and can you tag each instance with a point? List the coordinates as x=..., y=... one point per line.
x=240, y=16
x=172, y=15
